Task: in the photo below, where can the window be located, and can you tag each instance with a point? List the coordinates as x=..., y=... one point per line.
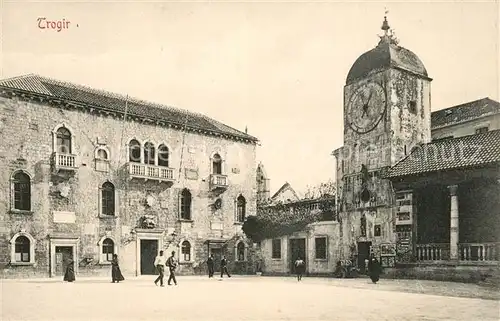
x=320, y=247
x=21, y=191
x=108, y=199
x=482, y=130
x=185, y=205
x=276, y=250
x=163, y=156
x=108, y=249
x=102, y=159
x=377, y=230
x=363, y=225
x=240, y=209
x=22, y=249
x=63, y=141
x=412, y=107
x=240, y=251
x=134, y=151
x=102, y=154
x=149, y=154
x=186, y=251
x=217, y=165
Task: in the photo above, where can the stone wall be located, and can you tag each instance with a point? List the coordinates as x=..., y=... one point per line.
x=314, y=266
x=27, y=144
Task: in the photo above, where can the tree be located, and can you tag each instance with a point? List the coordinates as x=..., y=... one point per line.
x=253, y=227
x=323, y=189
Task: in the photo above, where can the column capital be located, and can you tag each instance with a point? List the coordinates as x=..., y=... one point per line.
x=453, y=189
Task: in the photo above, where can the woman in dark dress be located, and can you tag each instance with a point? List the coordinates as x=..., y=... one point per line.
x=70, y=271
x=116, y=274
x=374, y=269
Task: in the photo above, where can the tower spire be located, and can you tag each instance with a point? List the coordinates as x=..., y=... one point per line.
x=385, y=24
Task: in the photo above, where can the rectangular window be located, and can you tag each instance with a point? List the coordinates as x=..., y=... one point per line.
x=320, y=247
x=378, y=230
x=482, y=130
x=412, y=106
x=276, y=249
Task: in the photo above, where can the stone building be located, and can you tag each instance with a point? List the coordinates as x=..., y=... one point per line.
x=317, y=244
x=388, y=125
x=86, y=174
x=386, y=112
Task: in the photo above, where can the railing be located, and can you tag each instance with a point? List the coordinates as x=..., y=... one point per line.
x=138, y=170
x=479, y=251
x=218, y=181
x=64, y=161
x=433, y=252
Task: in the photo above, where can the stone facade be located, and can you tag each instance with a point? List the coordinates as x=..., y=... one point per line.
x=394, y=116
x=318, y=261
x=67, y=205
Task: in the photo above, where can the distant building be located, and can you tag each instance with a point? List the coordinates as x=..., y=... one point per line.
x=316, y=244
x=86, y=174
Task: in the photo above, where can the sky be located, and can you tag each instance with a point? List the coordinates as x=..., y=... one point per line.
x=277, y=68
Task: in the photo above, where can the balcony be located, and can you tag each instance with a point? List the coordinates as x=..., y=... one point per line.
x=218, y=182
x=64, y=162
x=468, y=252
x=433, y=252
x=483, y=252
x=150, y=172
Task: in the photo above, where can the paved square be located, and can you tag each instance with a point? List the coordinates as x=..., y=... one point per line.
x=241, y=298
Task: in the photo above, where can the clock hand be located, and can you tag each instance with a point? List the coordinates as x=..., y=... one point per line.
x=369, y=97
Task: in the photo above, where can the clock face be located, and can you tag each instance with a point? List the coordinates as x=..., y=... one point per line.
x=366, y=107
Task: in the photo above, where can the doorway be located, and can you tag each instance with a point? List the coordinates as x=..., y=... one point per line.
x=297, y=249
x=363, y=253
x=63, y=257
x=217, y=253
x=149, y=251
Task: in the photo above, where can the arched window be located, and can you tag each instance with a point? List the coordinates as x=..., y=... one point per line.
x=149, y=153
x=63, y=141
x=22, y=249
x=108, y=199
x=108, y=249
x=217, y=164
x=240, y=251
x=102, y=154
x=163, y=156
x=240, y=209
x=134, y=151
x=22, y=191
x=363, y=225
x=186, y=251
x=185, y=204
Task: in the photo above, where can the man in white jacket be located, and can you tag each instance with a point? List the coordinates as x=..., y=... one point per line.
x=160, y=266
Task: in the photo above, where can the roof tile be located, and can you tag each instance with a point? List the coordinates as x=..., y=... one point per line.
x=108, y=101
x=454, y=153
x=464, y=112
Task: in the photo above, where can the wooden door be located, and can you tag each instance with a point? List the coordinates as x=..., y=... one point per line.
x=149, y=251
x=297, y=249
x=64, y=255
x=217, y=253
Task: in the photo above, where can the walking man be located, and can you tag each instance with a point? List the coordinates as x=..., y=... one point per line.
x=223, y=267
x=299, y=268
x=160, y=267
x=210, y=264
x=172, y=265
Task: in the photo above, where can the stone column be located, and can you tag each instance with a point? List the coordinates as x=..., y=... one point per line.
x=453, y=222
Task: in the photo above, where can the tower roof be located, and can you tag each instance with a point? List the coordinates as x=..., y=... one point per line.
x=387, y=54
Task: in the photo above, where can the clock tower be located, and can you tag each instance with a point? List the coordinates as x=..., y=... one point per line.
x=387, y=110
